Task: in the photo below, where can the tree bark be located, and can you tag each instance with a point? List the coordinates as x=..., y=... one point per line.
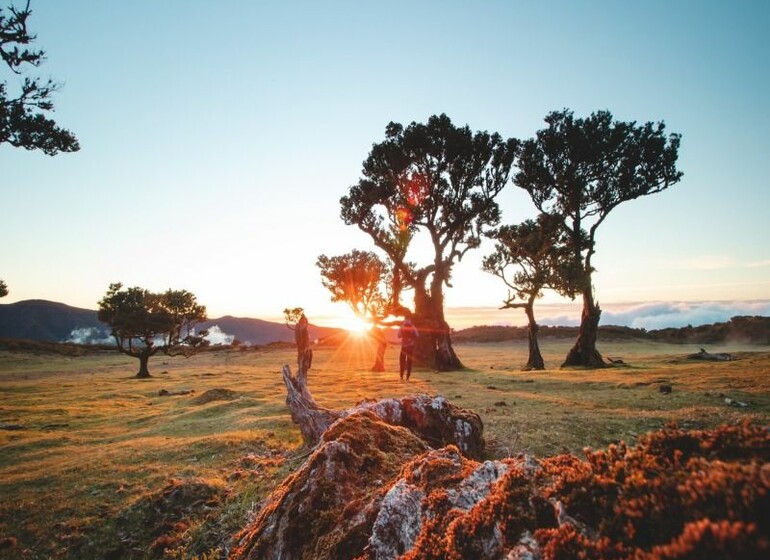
x=382, y=344
x=432, y=418
x=434, y=345
x=535, y=361
x=584, y=352
x=312, y=419
x=144, y=371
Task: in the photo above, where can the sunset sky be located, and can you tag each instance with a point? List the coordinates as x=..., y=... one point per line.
x=218, y=137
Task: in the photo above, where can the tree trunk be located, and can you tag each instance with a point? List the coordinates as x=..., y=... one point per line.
x=433, y=418
x=312, y=419
x=144, y=371
x=434, y=345
x=382, y=344
x=535, y=360
x=584, y=352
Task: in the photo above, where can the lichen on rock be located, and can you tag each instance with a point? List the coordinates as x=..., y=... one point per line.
x=327, y=508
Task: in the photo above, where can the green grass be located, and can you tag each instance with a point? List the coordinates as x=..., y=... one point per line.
x=97, y=447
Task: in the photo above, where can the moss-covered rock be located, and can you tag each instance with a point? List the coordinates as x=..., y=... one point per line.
x=373, y=491
x=326, y=509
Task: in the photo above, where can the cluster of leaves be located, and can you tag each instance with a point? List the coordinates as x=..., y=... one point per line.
x=677, y=494
x=23, y=120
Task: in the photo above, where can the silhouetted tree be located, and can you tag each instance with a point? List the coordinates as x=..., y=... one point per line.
x=291, y=316
x=363, y=281
x=3, y=288
x=578, y=170
x=429, y=187
x=297, y=321
x=528, y=258
x=23, y=121
x=144, y=323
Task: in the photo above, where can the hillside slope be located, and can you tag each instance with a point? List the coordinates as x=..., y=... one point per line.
x=50, y=321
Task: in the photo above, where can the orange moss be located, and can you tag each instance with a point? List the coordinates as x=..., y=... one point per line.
x=327, y=508
x=677, y=494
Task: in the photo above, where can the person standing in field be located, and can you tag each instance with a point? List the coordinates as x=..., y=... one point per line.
x=408, y=335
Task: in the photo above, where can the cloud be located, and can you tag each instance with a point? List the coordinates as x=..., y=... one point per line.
x=758, y=264
x=218, y=336
x=89, y=335
x=659, y=315
x=650, y=316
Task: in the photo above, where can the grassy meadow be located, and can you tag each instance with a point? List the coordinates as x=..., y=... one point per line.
x=97, y=464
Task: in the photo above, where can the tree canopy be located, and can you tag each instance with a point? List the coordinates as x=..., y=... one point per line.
x=3, y=288
x=426, y=197
x=577, y=171
x=144, y=323
x=361, y=279
x=23, y=115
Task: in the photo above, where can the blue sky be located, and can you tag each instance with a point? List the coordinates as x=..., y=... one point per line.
x=217, y=139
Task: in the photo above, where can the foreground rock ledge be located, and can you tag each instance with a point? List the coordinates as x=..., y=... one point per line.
x=373, y=490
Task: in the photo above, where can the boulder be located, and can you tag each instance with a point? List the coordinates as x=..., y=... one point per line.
x=326, y=509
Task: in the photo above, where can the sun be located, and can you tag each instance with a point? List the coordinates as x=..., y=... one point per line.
x=356, y=326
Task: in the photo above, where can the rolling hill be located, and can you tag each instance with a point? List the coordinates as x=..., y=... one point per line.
x=51, y=321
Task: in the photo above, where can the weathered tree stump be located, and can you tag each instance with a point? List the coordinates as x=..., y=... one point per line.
x=433, y=418
x=313, y=420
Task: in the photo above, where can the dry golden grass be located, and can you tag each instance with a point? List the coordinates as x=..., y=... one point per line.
x=95, y=446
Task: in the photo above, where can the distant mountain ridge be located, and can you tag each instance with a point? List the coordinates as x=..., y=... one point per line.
x=739, y=329
x=50, y=321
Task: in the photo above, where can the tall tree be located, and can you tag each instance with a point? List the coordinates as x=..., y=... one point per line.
x=3, y=288
x=428, y=192
x=144, y=323
x=578, y=170
x=528, y=258
x=363, y=281
x=23, y=120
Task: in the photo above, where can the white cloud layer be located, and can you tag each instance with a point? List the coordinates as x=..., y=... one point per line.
x=650, y=315
x=661, y=315
x=218, y=336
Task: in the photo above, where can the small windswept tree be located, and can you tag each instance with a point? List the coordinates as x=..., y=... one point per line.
x=528, y=258
x=144, y=323
x=297, y=321
x=23, y=115
x=578, y=171
x=291, y=316
x=363, y=281
x=428, y=193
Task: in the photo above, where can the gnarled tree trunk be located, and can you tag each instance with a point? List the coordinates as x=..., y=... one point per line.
x=433, y=418
x=434, y=345
x=584, y=352
x=535, y=361
x=382, y=344
x=312, y=419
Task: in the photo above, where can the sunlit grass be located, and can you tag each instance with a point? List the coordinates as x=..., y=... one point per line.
x=93, y=440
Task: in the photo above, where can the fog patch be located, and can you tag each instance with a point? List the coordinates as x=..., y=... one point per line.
x=217, y=336
x=89, y=335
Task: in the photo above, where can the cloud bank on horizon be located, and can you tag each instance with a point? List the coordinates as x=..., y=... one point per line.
x=660, y=315
x=648, y=315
